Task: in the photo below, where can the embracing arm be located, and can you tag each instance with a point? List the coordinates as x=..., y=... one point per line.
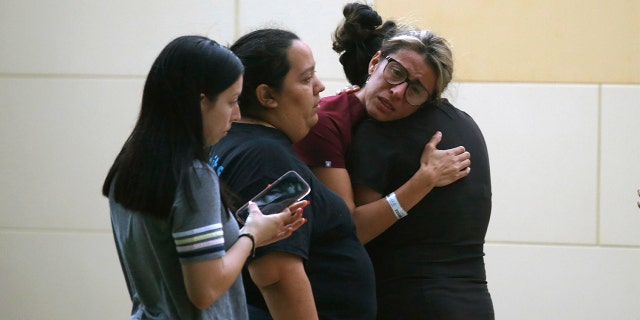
x=338, y=180
x=373, y=214
x=371, y=211
x=284, y=285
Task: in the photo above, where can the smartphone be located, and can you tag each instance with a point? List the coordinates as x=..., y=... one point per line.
x=287, y=189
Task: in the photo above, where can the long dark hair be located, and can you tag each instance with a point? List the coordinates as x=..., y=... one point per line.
x=168, y=136
x=263, y=53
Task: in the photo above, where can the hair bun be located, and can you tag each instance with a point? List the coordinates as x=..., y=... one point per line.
x=362, y=15
x=358, y=38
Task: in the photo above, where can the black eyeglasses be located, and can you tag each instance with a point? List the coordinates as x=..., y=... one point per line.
x=394, y=73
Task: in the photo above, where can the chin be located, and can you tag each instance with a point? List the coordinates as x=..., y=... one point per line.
x=313, y=120
x=376, y=115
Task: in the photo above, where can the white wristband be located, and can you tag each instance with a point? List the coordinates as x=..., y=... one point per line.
x=395, y=206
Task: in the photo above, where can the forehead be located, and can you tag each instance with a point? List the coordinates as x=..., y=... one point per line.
x=300, y=57
x=417, y=66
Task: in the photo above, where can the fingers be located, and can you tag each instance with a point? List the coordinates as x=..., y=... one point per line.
x=459, y=161
x=459, y=151
x=254, y=210
x=253, y=207
x=435, y=139
x=433, y=143
x=293, y=218
x=288, y=229
x=296, y=224
x=460, y=155
x=464, y=156
x=464, y=164
x=278, y=226
x=298, y=205
x=348, y=89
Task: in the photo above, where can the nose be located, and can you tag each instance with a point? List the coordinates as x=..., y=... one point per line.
x=235, y=113
x=318, y=87
x=399, y=89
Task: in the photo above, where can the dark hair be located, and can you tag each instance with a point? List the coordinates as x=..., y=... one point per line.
x=264, y=56
x=168, y=135
x=358, y=38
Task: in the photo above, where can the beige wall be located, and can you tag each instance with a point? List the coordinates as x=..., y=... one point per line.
x=563, y=242
x=567, y=41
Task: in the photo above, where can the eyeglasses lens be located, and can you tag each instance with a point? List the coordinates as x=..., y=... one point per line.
x=394, y=74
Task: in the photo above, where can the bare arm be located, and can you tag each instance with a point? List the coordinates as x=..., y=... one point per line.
x=373, y=215
x=371, y=212
x=284, y=285
x=207, y=280
x=337, y=179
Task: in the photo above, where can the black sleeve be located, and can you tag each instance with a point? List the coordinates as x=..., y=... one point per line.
x=371, y=157
x=249, y=173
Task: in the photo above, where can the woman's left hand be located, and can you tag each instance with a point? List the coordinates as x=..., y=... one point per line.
x=268, y=229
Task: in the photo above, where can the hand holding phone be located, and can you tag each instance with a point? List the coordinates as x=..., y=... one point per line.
x=287, y=189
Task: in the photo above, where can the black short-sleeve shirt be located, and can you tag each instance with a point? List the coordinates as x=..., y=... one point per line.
x=430, y=263
x=338, y=267
x=450, y=223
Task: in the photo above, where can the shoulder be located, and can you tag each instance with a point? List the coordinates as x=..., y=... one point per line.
x=201, y=169
x=201, y=176
x=265, y=153
x=332, y=101
x=267, y=150
x=343, y=110
x=340, y=103
x=198, y=171
x=452, y=111
x=251, y=140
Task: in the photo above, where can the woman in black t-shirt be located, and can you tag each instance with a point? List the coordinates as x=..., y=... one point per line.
x=429, y=264
x=322, y=271
x=427, y=251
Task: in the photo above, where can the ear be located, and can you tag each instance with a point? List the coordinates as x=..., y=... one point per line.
x=266, y=96
x=374, y=62
x=204, y=102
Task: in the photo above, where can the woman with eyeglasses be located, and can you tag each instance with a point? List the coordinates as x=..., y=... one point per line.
x=422, y=212
x=395, y=82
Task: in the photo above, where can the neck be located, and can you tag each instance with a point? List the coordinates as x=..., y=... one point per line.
x=359, y=93
x=250, y=120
